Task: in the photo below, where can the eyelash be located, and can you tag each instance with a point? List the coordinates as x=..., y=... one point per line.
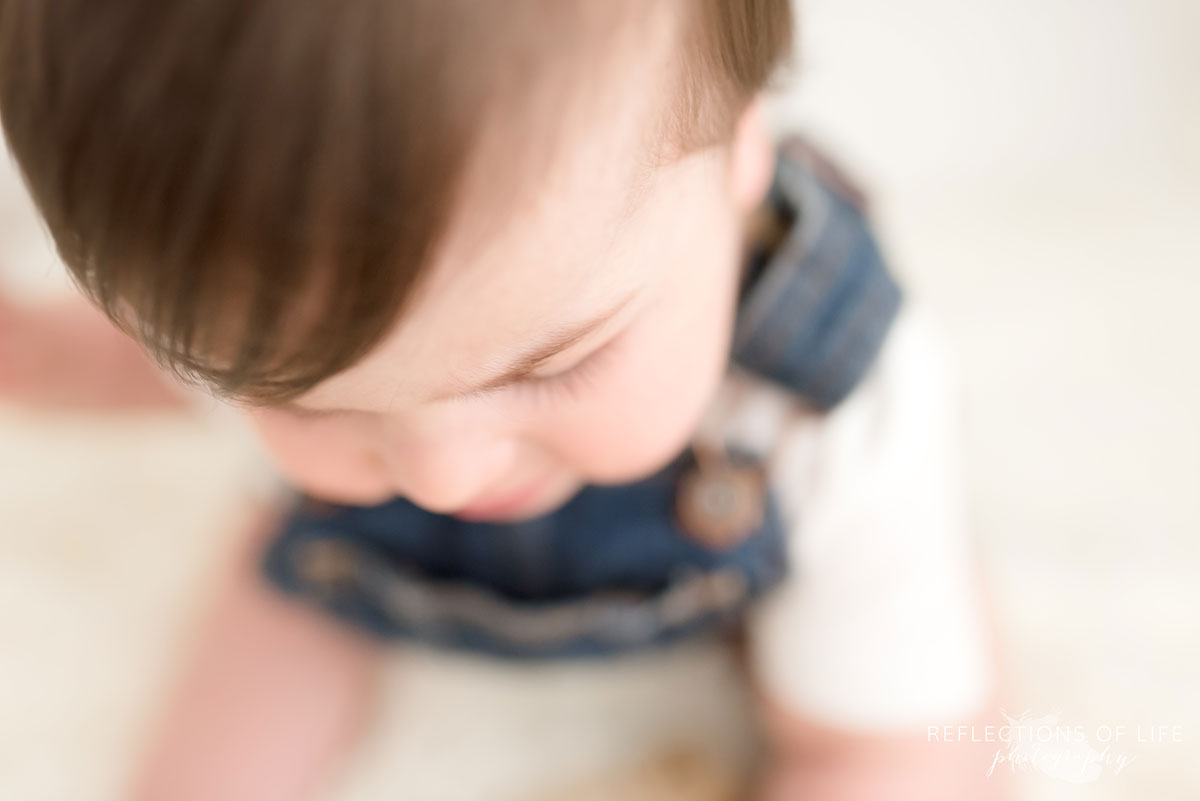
x=567, y=384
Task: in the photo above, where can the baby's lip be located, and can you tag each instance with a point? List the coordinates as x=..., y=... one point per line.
x=501, y=504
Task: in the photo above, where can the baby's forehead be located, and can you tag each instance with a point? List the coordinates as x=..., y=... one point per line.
x=571, y=181
x=549, y=232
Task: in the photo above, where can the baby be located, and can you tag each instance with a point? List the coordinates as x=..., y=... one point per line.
x=563, y=355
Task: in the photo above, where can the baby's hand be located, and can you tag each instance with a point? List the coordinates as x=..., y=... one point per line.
x=66, y=355
x=815, y=763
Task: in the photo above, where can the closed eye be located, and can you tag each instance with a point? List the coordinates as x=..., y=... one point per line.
x=570, y=383
x=565, y=383
x=304, y=413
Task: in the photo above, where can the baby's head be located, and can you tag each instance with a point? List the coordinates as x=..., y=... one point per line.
x=474, y=254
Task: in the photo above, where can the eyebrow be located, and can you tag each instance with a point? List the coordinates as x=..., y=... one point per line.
x=518, y=368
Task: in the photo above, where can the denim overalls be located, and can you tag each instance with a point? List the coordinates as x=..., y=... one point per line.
x=613, y=569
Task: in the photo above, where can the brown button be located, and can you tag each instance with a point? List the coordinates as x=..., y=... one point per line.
x=326, y=564
x=719, y=500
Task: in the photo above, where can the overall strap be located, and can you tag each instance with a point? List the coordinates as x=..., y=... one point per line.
x=815, y=311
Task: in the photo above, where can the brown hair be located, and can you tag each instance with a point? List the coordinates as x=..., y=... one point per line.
x=208, y=168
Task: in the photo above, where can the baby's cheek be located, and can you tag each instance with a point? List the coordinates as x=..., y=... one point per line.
x=325, y=459
x=670, y=370
x=644, y=419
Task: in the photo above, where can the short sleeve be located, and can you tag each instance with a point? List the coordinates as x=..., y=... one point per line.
x=880, y=627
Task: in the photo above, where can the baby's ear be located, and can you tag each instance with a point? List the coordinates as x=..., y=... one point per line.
x=752, y=158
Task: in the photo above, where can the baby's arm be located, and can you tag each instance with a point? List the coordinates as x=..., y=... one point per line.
x=272, y=696
x=66, y=355
x=814, y=760
x=883, y=630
